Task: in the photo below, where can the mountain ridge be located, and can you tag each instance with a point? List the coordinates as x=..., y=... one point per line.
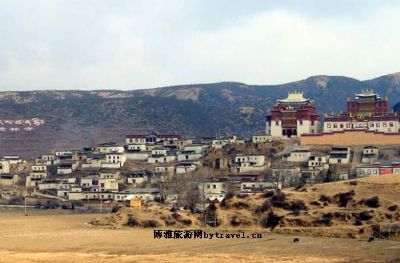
x=76, y=118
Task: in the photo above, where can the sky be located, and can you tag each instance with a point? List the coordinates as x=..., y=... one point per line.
x=133, y=44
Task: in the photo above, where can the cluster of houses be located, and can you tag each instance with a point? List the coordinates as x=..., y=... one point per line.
x=139, y=167
x=103, y=172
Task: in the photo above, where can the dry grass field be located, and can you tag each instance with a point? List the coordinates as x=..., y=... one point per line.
x=54, y=236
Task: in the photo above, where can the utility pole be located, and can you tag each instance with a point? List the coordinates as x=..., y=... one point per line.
x=101, y=204
x=25, y=205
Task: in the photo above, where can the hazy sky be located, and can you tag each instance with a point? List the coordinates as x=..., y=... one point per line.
x=96, y=44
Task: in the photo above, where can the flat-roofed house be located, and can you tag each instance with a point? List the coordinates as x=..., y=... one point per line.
x=250, y=163
x=4, y=167
x=297, y=155
x=9, y=179
x=340, y=154
x=370, y=154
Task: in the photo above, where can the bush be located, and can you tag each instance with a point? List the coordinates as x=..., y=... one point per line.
x=372, y=202
x=186, y=221
x=229, y=195
x=358, y=222
x=176, y=216
x=298, y=205
x=16, y=201
x=272, y=220
x=392, y=207
x=353, y=183
x=264, y=207
x=170, y=222
x=235, y=221
x=316, y=203
x=268, y=194
x=132, y=221
x=240, y=205
x=344, y=198
x=150, y=223
x=364, y=216
x=325, y=199
x=326, y=219
x=115, y=209
x=51, y=204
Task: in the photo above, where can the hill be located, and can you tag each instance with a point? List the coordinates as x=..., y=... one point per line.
x=339, y=209
x=76, y=118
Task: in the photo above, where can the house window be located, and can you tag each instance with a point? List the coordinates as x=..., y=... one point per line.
x=390, y=124
x=208, y=186
x=277, y=123
x=341, y=126
x=301, y=122
x=335, y=125
x=328, y=125
x=214, y=186
x=378, y=124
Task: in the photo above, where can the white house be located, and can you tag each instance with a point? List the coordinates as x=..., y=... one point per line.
x=186, y=167
x=109, y=147
x=9, y=179
x=258, y=186
x=4, y=167
x=66, y=168
x=260, y=138
x=212, y=190
x=370, y=154
x=318, y=162
x=161, y=159
x=115, y=158
x=297, y=155
x=249, y=163
x=340, y=154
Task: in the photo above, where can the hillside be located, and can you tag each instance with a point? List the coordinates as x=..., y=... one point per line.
x=339, y=209
x=76, y=118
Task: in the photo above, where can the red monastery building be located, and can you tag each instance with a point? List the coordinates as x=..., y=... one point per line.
x=367, y=111
x=293, y=116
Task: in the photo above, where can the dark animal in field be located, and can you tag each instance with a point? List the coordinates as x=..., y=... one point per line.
x=370, y=239
x=296, y=240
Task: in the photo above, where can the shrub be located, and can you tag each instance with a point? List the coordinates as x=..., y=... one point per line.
x=170, y=222
x=393, y=207
x=344, y=198
x=298, y=205
x=272, y=220
x=150, y=223
x=16, y=201
x=132, y=221
x=358, y=222
x=241, y=205
x=353, y=183
x=316, y=203
x=235, y=221
x=325, y=199
x=364, y=216
x=264, y=207
x=176, y=216
x=229, y=195
x=326, y=219
x=268, y=194
x=115, y=209
x=372, y=202
x=186, y=221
